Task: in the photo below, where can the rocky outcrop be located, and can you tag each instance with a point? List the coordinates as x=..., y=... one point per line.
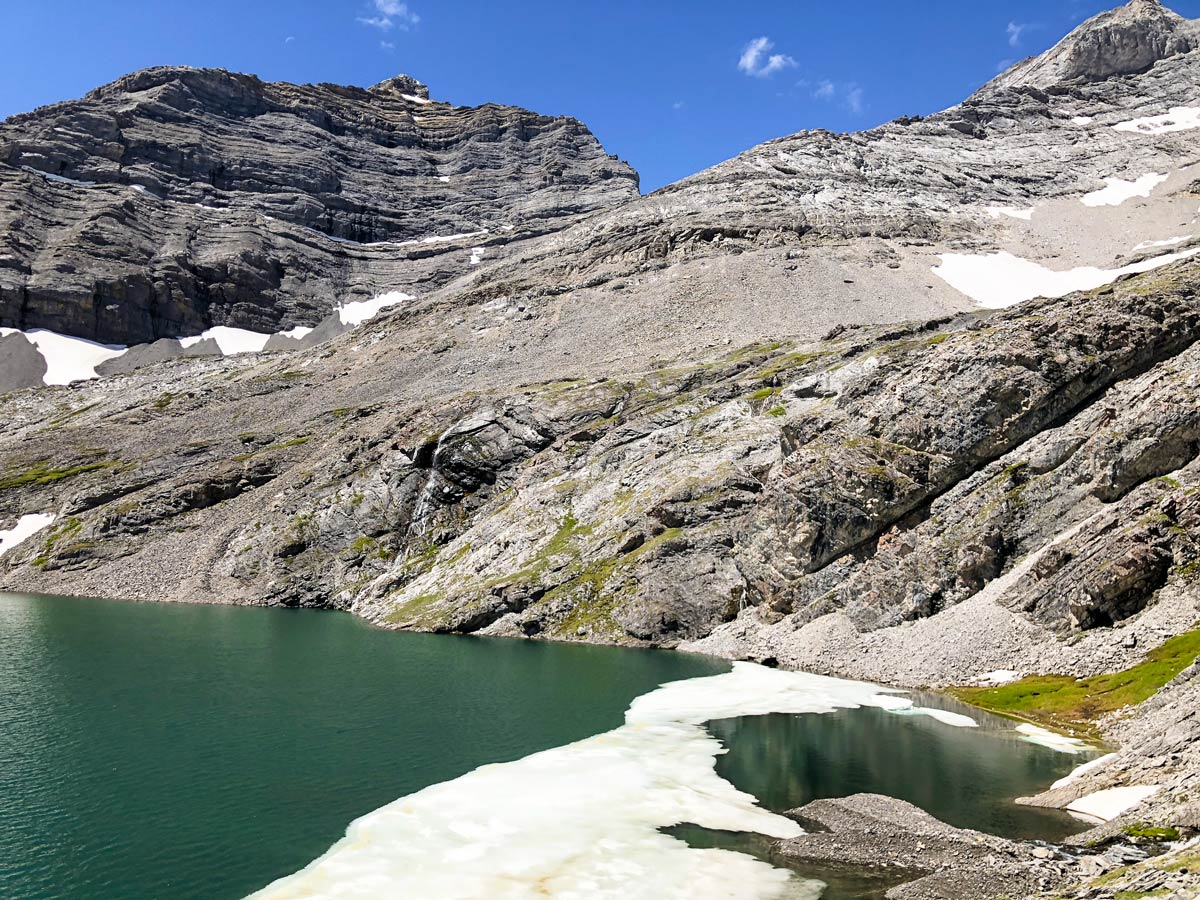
x=936, y=861
x=1122, y=41
x=177, y=199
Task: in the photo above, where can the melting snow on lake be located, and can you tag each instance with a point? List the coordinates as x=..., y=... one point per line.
x=584, y=820
x=1053, y=740
x=26, y=527
x=1079, y=772
x=1119, y=190
x=1180, y=118
x=997, y=280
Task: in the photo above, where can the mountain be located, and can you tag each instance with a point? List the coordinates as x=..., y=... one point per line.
x=174, y=200
x=919, y=404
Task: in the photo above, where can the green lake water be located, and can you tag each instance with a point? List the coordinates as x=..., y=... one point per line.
x=170, y=751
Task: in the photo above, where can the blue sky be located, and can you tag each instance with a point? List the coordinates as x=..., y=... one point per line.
x=672, y=87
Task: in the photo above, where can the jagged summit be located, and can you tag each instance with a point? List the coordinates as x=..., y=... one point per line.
x=402, y=85
x=1122, y=41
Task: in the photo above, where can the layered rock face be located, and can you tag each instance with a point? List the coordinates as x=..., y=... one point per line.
x=175, y=199
x=1123, y=41
x=761, y=413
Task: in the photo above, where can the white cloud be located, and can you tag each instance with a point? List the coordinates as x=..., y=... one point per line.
x=390, y=14
x=853, y=98
x=1015, y=30
x=849, y=95
x=758, y=60
x=289, y=39
x=678, y=104
x=386, y=45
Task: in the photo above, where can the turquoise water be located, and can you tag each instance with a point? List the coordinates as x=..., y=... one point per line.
x=162, y=751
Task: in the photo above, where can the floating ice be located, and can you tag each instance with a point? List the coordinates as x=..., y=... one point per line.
x=1108, y=805
x=1078, y=773
x=1180, y=118
x=358, y=311
x=945, y=717
x=1054, y=741
x=1119, y=190
x=583, y=821
x=997, y=280
x=26, y=527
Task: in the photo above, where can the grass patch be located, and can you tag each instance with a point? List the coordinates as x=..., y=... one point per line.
x=1145, y=832
x=1063, y=702
x=42, y=472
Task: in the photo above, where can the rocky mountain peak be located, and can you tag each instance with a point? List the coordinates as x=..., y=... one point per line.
x=1122, y=41
x=403, y=86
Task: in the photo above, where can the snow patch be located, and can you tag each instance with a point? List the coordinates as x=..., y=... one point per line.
x=1059, y=742
x=1108, y=805
x=358, y=311
x=60, y=179
x=1180, y=118
x=955, y=720
x=585, y=820
x=1119, y=190
x=26, y=527
x=1169, y=242
x=1083, y=120
x=231, y=340
x=296, y=333
x=413, y=98
x=997, y=280
x=477, y=255
x=443, y=178
x=1000, y=676
x=997, y=211
x=1078, y=773
x=68, y=358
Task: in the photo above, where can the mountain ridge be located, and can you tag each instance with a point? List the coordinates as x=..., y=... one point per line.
x=919, y=404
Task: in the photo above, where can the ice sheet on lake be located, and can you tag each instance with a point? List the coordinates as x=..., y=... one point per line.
x=585, y=820
x=1051, y=739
